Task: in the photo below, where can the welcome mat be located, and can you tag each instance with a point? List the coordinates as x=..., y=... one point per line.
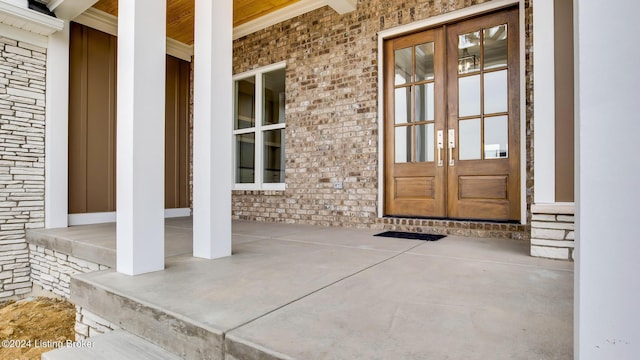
x=409, y=235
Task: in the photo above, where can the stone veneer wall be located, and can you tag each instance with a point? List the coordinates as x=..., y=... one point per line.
x=332, y=114
x=89, y=324
x=553, y=231
x=22, y=122
x=52, y=269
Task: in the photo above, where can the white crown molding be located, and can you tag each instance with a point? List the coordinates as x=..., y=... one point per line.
x=108, y=23
x=291, y=11
x=343, y=6
x=99, y=20
x=179, y=49
x=23, y=18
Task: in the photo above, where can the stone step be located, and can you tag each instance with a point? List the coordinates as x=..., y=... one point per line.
x=117, y=344
x=170, y=331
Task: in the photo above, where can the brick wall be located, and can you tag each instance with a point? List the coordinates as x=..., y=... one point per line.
x=22, y=121
x=332, y=112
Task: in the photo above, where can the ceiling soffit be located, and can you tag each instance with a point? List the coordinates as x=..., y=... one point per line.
x=249, y=15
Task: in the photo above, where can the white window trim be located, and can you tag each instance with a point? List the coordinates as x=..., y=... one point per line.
x=258, y=129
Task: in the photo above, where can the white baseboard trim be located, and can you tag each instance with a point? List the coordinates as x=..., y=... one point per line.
x=180, y=212
x=107, y=217
x=92, y=218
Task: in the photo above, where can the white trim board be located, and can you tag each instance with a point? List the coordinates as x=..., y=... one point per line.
x=108, y=23
x=109, y=217
x=22, y=17
x=291, y=11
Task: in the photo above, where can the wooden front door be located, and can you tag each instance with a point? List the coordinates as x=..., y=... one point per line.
x=452, y=121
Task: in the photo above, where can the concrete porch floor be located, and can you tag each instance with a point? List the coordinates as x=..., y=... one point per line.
x=305, y=292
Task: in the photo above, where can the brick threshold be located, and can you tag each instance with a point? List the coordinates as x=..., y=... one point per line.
x=470, y=228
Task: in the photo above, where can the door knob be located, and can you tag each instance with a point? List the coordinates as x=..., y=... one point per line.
x=452, y=145
x=440, y=146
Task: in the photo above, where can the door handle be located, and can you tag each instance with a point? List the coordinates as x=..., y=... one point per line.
x=440, y=146
x=452, y=144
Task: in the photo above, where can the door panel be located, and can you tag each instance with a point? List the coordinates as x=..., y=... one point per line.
x=415, y=113
x=483, y=104
x=456, y=86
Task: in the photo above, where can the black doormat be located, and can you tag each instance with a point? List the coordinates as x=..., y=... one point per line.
x=409, y=235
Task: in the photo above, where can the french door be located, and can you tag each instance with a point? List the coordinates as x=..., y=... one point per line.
x=452, y=128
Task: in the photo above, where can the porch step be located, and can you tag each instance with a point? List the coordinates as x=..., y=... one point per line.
x=117, y=344
x=161, y=327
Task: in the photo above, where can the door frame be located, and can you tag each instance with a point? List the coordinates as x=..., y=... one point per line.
x=457, y=15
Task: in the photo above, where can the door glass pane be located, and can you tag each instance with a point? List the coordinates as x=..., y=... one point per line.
x=469, y=96
x=245, y=115
x=245, y=158
x=273, y=156
x=495, y=92
x=403, y=105
x=273, y=97
x=403, y=144
x=469, y=52
x=496, y=137
x=424, y=62
x=495, y=47
x=424, y=102
x=403, y=66
x=469, y=139
x=425, y=141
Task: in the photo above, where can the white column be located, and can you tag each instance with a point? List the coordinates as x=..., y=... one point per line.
x=607, y=313
x=544, y=112
x=140, y=136
x=57, y=130
x=212, y=129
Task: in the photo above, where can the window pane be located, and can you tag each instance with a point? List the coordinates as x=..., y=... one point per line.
x=424, y=102
x=495, y=47
x=273, y=97
x=469, y=52
x=403, y=66
x=469, y=138
x=403, y=105
x=245, y=115
x=495, y=92
x=245, y=158
x=273, y=154
x=425, y=141
x=403, y=144
x=424, y=62
x=469, y=96
x=496, y=137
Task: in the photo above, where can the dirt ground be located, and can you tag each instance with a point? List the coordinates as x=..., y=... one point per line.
x=32, y=326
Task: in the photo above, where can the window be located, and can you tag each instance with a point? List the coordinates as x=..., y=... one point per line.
x=259, y=136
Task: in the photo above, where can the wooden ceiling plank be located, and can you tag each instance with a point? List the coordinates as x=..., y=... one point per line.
x=180, y=14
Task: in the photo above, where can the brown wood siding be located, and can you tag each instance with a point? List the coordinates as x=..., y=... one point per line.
x=564, y=126
x=92, y=121
x=92, y=125
x=177, y=134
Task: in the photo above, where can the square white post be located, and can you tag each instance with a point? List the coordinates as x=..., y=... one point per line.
x=57, y=130
x=140, y=136
x=606, y=312
x=212, y=129
x=544, y=104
